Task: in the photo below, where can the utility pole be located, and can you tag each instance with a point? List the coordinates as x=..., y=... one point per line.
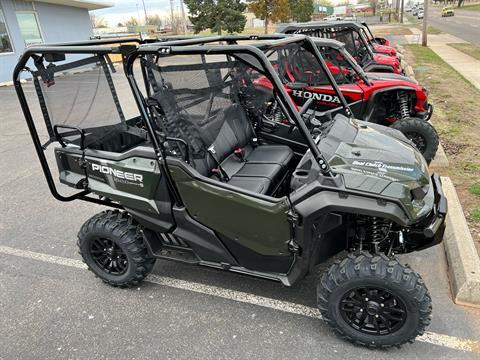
x=183, y=18
x=425, y=21
x=401, y=12
x=171, y=11
x=145, y=12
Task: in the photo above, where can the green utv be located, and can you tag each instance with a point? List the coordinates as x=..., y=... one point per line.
x=198, y=173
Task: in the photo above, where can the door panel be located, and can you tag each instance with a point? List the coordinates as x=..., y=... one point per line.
x=252, y=222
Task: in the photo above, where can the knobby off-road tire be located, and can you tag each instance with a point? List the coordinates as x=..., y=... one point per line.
x=421, y=133
x=113, y=249
x=392, y=290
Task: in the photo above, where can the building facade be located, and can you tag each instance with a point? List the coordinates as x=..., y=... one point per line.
x=24, y=23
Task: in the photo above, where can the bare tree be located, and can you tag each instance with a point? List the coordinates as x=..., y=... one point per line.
x=98, y=21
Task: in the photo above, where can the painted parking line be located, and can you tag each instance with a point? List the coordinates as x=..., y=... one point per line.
x=448, y=341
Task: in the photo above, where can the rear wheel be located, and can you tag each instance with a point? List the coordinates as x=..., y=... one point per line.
x=113, y=249
x=421, y=133
x=374, y=301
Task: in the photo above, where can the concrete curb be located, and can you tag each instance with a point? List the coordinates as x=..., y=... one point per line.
x=462, y=260
x=440, y=160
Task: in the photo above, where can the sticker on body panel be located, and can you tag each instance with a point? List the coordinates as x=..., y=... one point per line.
x=326, y=98
x=120, y=176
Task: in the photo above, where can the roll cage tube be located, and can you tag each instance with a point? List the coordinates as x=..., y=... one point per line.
x=268, y=70
x=233, y=39
x=357, y=68
x=365, y=41
x=365, y=25
x=330, y=77
x=27, y=55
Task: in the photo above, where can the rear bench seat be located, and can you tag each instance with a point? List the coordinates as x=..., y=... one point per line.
x=257, y=168
x=229, y=136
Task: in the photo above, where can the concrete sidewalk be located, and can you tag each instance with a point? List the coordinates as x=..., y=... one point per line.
x=461, y=62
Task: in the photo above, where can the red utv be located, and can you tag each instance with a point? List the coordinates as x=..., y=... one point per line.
x=380, y=44
x=386, y=99
x=356, y=43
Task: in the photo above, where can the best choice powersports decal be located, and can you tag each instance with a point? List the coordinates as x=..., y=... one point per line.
x=381, y=166
x=120, y=176
x=316, y=96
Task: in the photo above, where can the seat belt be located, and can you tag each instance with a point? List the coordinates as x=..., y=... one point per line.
x=218, y=170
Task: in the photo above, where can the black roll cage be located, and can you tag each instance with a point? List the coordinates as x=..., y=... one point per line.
x=314, y=28
x=169, y=46
x=94, y=47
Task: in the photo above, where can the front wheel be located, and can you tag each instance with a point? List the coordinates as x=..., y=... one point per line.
x=374, y=301
x=421, y=133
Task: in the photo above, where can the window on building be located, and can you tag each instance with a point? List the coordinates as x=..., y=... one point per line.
x=28, y=23
x=5, y=42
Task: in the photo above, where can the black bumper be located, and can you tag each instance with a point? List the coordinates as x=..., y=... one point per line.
x=430, y=231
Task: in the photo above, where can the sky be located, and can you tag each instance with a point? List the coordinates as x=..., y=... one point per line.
x=122, y=10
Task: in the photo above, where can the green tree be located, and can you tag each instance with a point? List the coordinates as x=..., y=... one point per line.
x=217, y=15
x=301, y=10
x=270, y=10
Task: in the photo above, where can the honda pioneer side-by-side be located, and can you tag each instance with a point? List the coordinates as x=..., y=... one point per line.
x=353, y=36
x=196, y=172
x=387, y=99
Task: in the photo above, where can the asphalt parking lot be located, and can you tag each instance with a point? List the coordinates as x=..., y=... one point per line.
x=51, y=307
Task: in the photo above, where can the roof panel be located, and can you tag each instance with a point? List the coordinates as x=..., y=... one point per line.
x=89, y=5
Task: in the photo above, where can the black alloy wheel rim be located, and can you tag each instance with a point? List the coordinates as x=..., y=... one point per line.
x=418, y=140
x=373, y=311
x=108, y=256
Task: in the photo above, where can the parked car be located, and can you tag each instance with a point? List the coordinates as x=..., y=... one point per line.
x=408, y=9
x=448, y=11
x=420, y=14
x=351, y=17
x=332, y=18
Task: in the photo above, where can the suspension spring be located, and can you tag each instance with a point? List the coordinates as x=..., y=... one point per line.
x=377, y=235
x=403, y=105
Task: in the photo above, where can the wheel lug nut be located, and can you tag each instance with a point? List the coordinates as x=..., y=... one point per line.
x=361, y=310
x=382, y=305
x=376, y=316
x=366, y=299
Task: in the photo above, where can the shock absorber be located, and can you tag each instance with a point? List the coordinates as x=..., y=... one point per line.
x=380, y=229
x=403, y=105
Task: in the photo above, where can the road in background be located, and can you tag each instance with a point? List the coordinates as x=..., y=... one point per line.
x=465, y=24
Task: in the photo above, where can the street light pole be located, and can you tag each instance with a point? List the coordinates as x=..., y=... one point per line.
x=425, y=17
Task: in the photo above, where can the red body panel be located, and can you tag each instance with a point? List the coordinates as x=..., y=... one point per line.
x=388, y=60
x=383, y=49
x=352, y=92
